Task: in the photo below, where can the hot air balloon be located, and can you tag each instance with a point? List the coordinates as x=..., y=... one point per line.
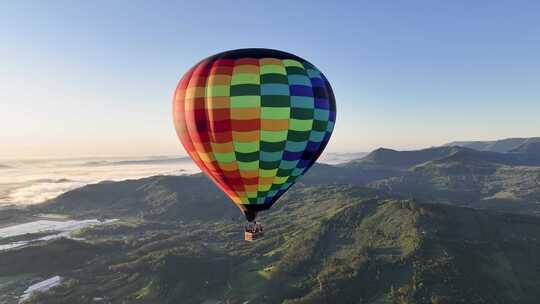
x=254, y=120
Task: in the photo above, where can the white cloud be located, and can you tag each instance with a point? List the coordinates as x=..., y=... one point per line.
x=32, y=182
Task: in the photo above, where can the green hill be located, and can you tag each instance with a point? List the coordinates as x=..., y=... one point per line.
x=404, y=159
x=324, y=244
x=388, y=228
x=472, y=178
x=178, y=198
x=462, y=176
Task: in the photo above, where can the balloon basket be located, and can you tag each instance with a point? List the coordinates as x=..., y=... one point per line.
x=253, y=232
x=250, y=236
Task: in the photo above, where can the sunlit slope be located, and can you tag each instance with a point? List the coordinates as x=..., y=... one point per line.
x=455, y=175
x=325, y=244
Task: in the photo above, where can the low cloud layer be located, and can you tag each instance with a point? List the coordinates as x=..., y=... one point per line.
x=33, y=182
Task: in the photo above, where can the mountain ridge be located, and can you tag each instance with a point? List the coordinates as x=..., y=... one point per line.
x=453, y=174
x=501, y=145
x=325, y=244
x=440, y=225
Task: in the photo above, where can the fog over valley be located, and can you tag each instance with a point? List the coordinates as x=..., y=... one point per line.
x=25, y=182
x=33, y=181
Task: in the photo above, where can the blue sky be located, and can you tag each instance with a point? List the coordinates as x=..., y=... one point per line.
x=96, y=77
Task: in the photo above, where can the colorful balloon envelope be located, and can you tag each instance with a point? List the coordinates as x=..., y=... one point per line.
x=254, y=120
